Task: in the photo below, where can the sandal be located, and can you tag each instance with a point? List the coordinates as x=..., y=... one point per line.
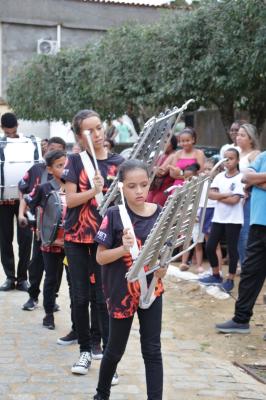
x=184, y=267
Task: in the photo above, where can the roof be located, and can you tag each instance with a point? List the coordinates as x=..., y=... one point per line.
x=145, y=3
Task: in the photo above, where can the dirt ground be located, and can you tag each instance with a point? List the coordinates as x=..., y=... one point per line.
x=197, y=312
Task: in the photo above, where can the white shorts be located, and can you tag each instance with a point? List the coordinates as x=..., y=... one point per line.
x=196, y=235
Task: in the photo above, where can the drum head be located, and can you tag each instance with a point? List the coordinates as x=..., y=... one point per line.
x=51, y=218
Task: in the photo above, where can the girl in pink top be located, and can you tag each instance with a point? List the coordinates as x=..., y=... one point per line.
x=188, y=155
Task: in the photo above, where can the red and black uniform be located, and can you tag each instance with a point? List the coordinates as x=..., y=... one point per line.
x=81, y=225
x=36, y=175
x=123, y=302
x=121, y=296
x=52, y=255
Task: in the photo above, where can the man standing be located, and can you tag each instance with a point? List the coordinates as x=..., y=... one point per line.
x=9, y=209
x=254, y=269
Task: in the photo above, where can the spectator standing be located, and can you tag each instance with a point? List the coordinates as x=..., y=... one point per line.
x=181, y=159
x=248, y=143
x=253, y=273
x=232, y=134
x=162, y=179
x=227, y=189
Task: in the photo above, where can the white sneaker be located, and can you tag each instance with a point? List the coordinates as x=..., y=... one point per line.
x=115, y=380
x=82, y=366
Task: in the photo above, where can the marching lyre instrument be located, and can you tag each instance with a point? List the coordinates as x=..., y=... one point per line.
x=173, y=229
x=151, y=142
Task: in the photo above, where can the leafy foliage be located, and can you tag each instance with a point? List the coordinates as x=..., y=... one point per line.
x=215, y=52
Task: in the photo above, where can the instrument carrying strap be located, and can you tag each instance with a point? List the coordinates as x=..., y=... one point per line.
x=44, y=177
x=134, y=251
x=90, y=170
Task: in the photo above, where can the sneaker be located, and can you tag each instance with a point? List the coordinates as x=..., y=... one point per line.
x=48, y=321
x=96, y=352
x=7, y=285
x=30, y=305
x=228, y=285
x=211, y=280
x=23, y=286
x=99, y=397
x=70, y=338
x=115, y=380
x=232, y=327
x=56, y=307
x=82, y=366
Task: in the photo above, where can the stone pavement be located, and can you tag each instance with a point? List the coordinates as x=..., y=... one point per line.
x=33, y=366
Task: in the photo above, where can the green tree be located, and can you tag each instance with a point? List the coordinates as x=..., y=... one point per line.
x=215, y=52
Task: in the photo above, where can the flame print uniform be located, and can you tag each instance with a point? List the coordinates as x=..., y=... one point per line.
x=122, y=297
x=32, y=178
x=82, y=222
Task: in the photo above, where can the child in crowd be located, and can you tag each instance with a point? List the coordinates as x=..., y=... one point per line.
x=181, y=159
x=227, y=190
x=206, y=226
x=122, y=297
x=162, y=180
x=53, y=254
x=188, y=172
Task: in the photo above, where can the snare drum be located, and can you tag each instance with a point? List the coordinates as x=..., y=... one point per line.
x=52, y=220
x=17, y=155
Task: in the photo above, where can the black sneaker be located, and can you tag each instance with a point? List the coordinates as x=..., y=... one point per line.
x=232, y=327
x=82, y=366
x=70, y=338
x=30, y=305
x=99, y=397
x=96, y=352
x=23, y=286
x=7, y=285
x=56, y=307
x=48, y=321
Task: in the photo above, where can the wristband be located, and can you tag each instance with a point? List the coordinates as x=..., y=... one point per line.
x=181, y=173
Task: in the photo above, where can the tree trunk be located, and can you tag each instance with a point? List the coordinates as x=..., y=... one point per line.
x=227, y=115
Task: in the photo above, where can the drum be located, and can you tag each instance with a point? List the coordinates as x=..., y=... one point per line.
x=52, y=220
x=17, y=155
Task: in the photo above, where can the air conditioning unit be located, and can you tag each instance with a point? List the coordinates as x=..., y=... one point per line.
x=46, y=46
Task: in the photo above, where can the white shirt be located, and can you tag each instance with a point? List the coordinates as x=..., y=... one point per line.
x=228, y=213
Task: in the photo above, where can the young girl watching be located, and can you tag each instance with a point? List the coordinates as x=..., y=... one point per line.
x=227, y=190
x=122, y=297
x=188, y=155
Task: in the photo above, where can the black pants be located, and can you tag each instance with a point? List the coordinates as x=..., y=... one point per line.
x=53, y=266
x=94, y=319
x=94, y=328
x=253, y=274
x=36, y=268
x=24, y=238
x=150, y=332
x=82, y=263
x=231, y=232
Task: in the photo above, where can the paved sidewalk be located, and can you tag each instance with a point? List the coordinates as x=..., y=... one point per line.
x=33, y=366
